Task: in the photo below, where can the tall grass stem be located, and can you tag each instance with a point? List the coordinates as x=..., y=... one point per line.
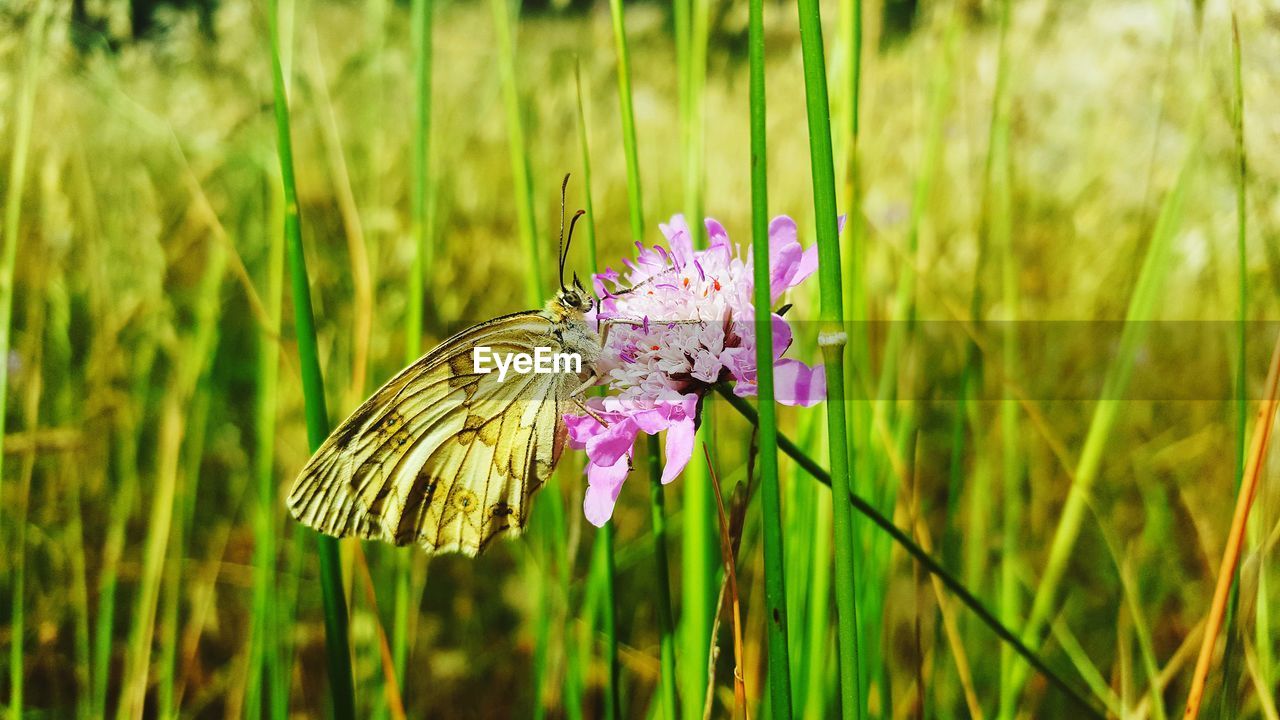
x=626, y=110
x=337, y=639
x=775, y=594
x=666, y=622
x=520, y=172
x=832, y=339
x=603, y=561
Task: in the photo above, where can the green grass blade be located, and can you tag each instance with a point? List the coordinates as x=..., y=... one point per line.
x=12, y=224
x=265, y=637
x=602, y=558
x=634, y=202
x=700, y=542
x=421, y=29
x=998, y=229
x=770, y=496
x=520, y=174
x=832, y=340
x=1263, y=607
x=666, y=624
x=337, y=641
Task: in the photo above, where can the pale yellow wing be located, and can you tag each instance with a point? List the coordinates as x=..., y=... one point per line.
x=442, y=456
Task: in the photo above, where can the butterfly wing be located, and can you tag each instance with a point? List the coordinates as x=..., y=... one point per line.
x=441, y=455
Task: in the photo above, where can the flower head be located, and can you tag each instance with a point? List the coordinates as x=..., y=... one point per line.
x=677, y=322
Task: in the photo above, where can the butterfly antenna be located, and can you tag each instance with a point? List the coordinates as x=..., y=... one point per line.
x=563, y=186
x=572, y=222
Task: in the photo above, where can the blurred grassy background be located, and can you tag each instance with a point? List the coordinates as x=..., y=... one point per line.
x=140, y=406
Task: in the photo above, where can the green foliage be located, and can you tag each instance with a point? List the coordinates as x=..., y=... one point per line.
x=998, y=173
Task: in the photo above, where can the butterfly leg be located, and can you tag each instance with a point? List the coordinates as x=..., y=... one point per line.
x=577, y=400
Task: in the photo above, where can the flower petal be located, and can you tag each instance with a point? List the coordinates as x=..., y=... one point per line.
x=807, y=265
x=603, y=486
x=795, y=383
x=653, y=420
x=581, y=429
x=781, y=336
x=677, y=234
x=716, y=234
x=679, y=449
x=605, y=448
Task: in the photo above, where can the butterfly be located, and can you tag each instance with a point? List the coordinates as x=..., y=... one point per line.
x=446, y=456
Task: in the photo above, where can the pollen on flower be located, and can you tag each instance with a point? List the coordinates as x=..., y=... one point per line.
x=695, y=339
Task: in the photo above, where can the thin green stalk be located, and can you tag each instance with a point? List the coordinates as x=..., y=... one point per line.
x=265, y=638
x=421, y=16
x=127, y=489
x=520, y=174
x=927, y=562
x=12, y=224
x=200, y=349
x=634, y=203
x=34, y=354
x=421, y=30
x=1257, y=527
x=700, y=541
x=666, y=625
x=998, y=226
x=832, y=340
x=602, y=559
x=13, y=213
x=1230, y=663
x=695, y=69
x=1262, y=611
x=337, y=640
x=58, y=363
x=775, y=595
x=608, y=620
x=1142, y=306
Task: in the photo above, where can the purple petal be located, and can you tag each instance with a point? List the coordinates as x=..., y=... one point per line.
x=716, y=234
x=679, y=449
x=581, y=429
x=689, y=405
x=677, y=234
x=655, y=420
x=795, y=383
x=603, y=485
x=615, y=441
x=807, y=266
x=781, y=336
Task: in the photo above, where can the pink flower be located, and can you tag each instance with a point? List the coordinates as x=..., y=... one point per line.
x=678, y=322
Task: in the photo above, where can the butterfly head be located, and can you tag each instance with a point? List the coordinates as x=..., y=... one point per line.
x=575, y=298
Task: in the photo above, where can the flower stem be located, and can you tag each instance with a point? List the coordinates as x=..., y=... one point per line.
x=628, y=121
x=775, y=592
x=927, y=561
x=666, y=627
x=602, y=568
x=519, y=156
x=337, y=642
x=12, y=224
x=421, y=254
x=832, y=339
